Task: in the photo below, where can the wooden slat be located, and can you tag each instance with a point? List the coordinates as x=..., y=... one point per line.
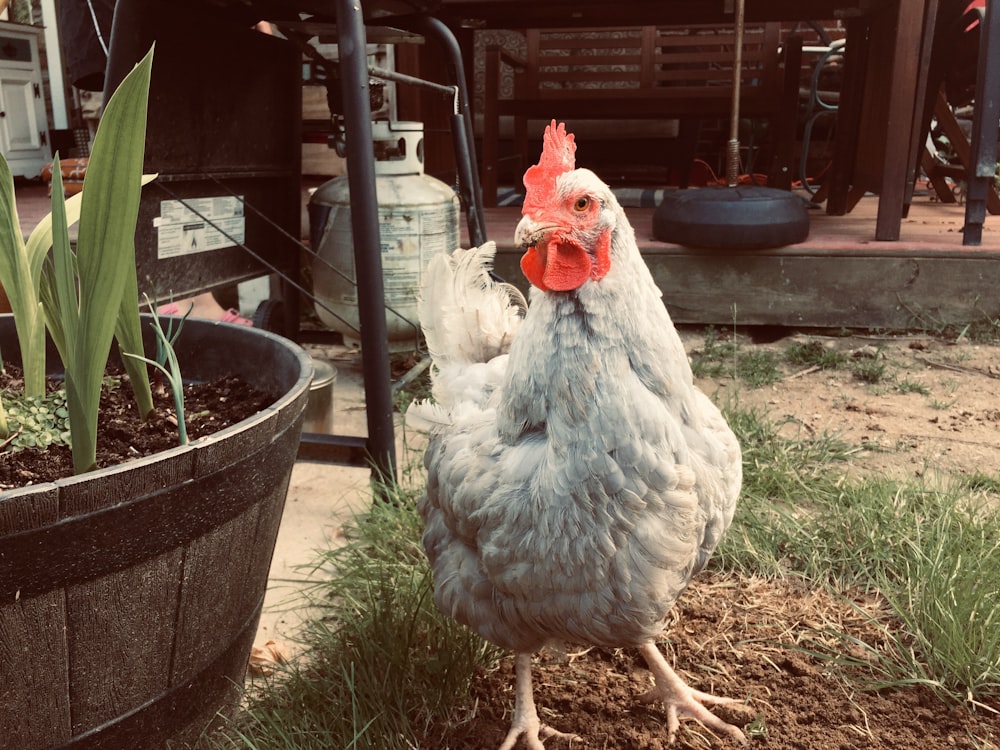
x=235, y=548
x=596, y=43
x=34, y=696
x=702, y=78
x=34, y=692
x=555, y=80
x=529, y=76
x=645, y=60
x=215, y=581
x=646, y=79
x=131, y=615
x=808, y=291
x=587, y=37
x=625, y=57
x=702, y=58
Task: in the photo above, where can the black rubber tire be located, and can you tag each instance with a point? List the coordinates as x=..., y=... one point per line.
x=270, y=316
x=731, y=218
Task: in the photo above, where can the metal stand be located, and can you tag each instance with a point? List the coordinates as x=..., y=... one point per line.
x=352, y=40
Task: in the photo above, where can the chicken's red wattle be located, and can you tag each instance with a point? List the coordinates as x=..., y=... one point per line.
x=559, y=267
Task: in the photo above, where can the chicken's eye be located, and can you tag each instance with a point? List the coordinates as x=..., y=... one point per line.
x=582, y=204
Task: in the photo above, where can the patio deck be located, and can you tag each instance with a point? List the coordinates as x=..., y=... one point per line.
x=839, y=277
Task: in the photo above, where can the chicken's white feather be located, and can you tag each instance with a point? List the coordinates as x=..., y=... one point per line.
x=469, y=320
x=465, y=314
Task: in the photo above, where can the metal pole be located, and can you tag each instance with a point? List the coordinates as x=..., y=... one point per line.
x=461, y=121
x=462, y=133
x=352, y=40
x=983, y=158
x=733, y=146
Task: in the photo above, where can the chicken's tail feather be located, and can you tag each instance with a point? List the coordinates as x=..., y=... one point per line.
x=426, y=416
x=466, y=315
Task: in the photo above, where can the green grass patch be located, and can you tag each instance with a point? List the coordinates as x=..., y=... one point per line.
x=727, y=358
x=984, y=330
x=980, y=482
x=943, y=587
x=931, y=551
x=814, y=353
x=905, y=385
x=871, y=370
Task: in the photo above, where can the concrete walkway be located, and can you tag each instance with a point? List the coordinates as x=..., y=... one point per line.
x=321, y=498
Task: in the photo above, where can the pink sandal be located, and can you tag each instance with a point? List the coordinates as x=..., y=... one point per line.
x=232, y=316
x=229, y=316
x=170, y=309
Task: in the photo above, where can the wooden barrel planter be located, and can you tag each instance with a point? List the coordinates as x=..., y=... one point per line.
x=129, y=596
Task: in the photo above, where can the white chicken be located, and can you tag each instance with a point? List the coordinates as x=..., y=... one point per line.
x=576, y=477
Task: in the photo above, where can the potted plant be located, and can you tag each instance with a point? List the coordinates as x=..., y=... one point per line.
x=129, y=595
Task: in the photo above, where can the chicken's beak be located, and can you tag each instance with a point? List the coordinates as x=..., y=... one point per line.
x=530, y=232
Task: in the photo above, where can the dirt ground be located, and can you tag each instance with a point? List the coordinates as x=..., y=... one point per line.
x=744, y=639
x=935, y=408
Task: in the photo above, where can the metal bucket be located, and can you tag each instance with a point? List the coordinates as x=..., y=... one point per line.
x=319, y=410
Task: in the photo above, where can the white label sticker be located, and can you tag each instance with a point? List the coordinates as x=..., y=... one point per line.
x=197, y=225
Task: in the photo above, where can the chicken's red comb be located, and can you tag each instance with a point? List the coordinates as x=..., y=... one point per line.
x=558, y=156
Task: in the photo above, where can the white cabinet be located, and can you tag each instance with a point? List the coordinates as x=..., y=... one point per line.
x=24, y=129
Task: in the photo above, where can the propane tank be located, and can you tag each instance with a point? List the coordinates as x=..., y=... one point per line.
x=418, y=218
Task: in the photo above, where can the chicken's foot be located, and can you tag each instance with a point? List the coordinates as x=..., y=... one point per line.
x=682, y=700
x=526, y=721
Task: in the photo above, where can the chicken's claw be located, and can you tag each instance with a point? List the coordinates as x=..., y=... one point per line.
x=526, y=721
x=533, y=735
x=682, y=700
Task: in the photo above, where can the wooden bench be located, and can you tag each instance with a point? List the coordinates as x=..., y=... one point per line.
x=643, y=73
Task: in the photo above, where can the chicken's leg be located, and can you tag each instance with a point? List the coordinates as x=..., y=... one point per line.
x=681, y=700
x=526, y=719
